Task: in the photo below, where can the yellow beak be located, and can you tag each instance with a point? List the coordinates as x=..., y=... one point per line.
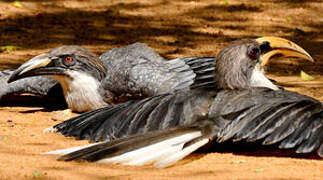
x=284, y=47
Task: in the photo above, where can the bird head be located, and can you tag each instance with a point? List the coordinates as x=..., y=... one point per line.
x=240, y=64
x=79, y=72
x=62, y=62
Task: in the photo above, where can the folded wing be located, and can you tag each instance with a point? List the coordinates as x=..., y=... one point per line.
x=138, y=70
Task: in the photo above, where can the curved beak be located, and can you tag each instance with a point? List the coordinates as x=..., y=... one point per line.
x=283, y=47
x=39, y=65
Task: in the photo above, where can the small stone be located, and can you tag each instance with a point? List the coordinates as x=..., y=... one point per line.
x=61, y=115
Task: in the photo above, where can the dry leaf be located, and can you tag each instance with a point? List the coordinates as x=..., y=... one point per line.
x=9, y=48
x=306, y=77
x=17, y=4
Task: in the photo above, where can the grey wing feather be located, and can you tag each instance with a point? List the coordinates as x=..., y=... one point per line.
x=285, y=118
x=137, y=69
x=204, y=68
x=157, y=112
x=38, y=86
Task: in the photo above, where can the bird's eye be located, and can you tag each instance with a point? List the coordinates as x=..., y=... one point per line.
x=68, y=59
x=254, y=52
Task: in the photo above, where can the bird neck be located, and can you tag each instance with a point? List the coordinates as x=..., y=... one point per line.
x=81, y=91
x=240, y=75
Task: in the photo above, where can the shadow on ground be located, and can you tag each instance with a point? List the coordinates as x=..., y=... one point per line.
x=116, y=26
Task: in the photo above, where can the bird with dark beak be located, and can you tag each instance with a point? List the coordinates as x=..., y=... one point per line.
x=74, y=68
x=135, y=71
x=246, y=106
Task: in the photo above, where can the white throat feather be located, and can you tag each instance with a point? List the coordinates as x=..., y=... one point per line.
x=81, y=91
x=258, y=79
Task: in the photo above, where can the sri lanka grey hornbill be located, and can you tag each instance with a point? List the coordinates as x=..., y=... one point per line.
x=89, y=82
x=165, y=128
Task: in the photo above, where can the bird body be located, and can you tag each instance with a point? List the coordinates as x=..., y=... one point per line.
x=280, y=117
x=165, y=128
x=89, y=82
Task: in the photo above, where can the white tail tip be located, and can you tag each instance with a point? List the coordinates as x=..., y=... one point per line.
x=49, y=130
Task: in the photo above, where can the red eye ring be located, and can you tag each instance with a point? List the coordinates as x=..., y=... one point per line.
x=68, y=59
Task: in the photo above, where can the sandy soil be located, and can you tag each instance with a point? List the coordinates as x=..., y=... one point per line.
x=174, y=28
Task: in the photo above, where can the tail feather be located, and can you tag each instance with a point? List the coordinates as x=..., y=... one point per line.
x=181, y=154
x=161, y=148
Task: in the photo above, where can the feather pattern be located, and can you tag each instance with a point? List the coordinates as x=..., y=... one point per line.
x=161, y=148
x=280, y=117
x=142, y=71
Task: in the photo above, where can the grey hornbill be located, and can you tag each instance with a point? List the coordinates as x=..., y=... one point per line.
x=89, y=82
x=165, y=128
